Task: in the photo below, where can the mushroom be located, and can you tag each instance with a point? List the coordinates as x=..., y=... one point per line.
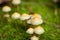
x=39, y=30
x=30, y=31
x=16, y=2
x=24, y=16
x=6, y=9
x=15, y=15
x=34, y=38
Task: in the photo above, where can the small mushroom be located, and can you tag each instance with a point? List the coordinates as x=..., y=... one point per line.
x=6, y=9
x=36, y=21
x=24, y=16
x=34, y=38
x=16, y=2
x=15, y=15
x=39, y=30
x=30, y=31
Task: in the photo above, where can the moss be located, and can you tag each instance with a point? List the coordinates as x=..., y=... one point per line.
x=8, y=31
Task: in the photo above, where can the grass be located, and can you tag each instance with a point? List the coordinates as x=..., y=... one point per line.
x=51, y=26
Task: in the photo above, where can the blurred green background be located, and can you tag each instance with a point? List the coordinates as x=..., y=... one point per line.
x=45, y=8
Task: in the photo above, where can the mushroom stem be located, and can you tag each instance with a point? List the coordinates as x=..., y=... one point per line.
x=56, y=12
x=17, y=8
x=16, y=25
x=25, y=24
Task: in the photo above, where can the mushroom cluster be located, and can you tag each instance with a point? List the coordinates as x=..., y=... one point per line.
x=33, y=20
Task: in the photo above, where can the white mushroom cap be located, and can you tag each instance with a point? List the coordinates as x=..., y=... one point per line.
x=36, y=15
x=6, y=9
x=29, y=21
x=39, y=30
x=55, y=1
x=34, y=38
x=24, y=16
x=16, y=2
x=15, y=15
x=30, y=31
x=36, y=21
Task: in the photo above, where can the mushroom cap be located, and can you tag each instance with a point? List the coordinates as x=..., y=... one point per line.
x=36, y=15
x=16, y=2
x=6, y=9
x=36, y=21
x=30, y=31
x=24, y=16
x=39, y=30
x=34, y=38
x=29, y=21
x=15, y=15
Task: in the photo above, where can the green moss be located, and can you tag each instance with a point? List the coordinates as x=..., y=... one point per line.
x=8, y=31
